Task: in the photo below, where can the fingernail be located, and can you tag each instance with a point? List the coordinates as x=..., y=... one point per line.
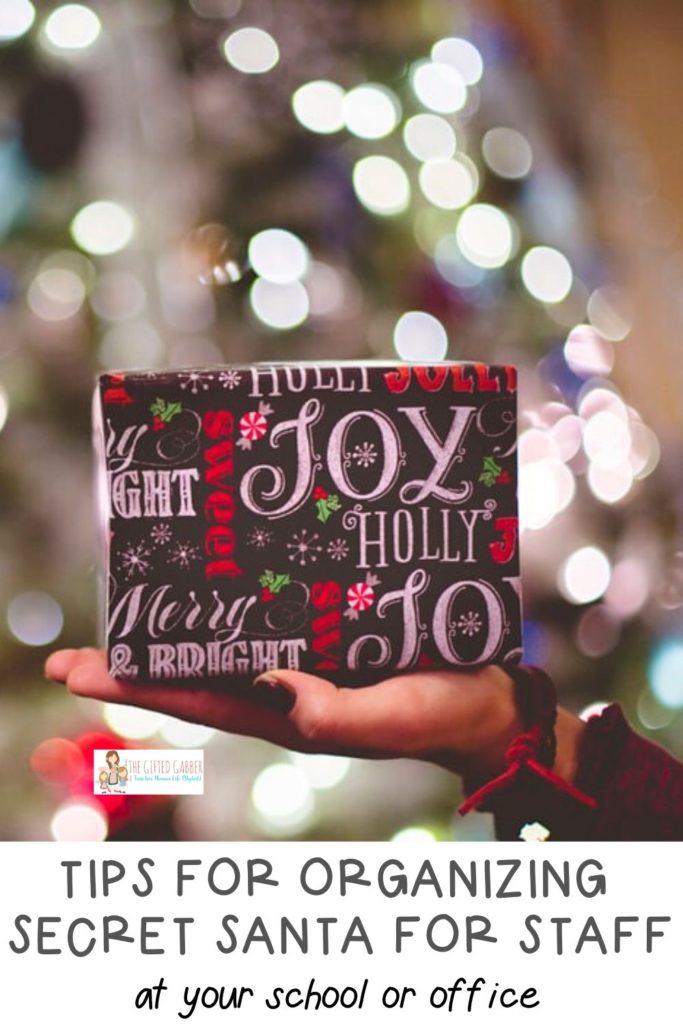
x=271, y=692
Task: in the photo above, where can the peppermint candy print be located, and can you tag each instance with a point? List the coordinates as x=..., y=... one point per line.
x=361, y=596
x=253, y=425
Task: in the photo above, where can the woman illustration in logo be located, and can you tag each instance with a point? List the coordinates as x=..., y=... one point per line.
x=112, y=758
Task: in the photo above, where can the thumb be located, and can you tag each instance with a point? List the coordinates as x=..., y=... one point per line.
x=328, y=718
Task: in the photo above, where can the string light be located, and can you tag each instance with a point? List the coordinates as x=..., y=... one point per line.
x=4, y=406
x=429, y=137
x=485, y=235
x=323, y=771
x=252, y=51
x=462, y=55
x=35, y=618
x=381, y=185
x=439, y=87
x=606, y=312
x=283, y=798
x=587, y=353
x=79, y=822
x=371, y=111
x=585, y=575
x=279, y=306
x=129, y=346
x=131, y=722
x=665, y=672
x=319, y=106
x=278, y=256
x=420, y=337
x=102, y=227
x=449, y=184
x=546, y=273
x=507, y=153
x=72, y=27
x=16, y=18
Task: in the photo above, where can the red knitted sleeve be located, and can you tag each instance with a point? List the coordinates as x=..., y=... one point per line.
x=636, y=785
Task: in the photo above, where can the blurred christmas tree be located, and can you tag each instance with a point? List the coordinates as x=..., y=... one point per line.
x=231, y=180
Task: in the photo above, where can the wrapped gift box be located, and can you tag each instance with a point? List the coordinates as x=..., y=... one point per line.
x=349, y=520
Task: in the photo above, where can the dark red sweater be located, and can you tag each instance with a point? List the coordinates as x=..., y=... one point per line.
x=638, y=787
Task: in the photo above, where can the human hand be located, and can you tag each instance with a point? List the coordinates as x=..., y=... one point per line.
x=462, y=721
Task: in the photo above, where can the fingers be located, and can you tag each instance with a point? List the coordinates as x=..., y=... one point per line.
x=366, y=721
x=85, y=673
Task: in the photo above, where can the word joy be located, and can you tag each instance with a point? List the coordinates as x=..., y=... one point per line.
x=268, y=480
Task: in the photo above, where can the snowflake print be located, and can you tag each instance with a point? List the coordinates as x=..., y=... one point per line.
x=338, y=549
x=364, y=454
x=260, y=537
x=183, y=554
x=135, y=560
x=469, y=624
x=161, y=534
x=194, y=380
x=304, y=547
x=229, y=378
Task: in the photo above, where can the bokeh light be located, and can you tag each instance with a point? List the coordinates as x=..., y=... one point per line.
x=585, y=575
x=449, y=184
x=608, y=313
x=462, y=55
x=319, y=106
x=35, y=618
x=16, y=18
x=118, y=295
x=58, y=762
x=279, y=306
x=652, y=714
x=485, y=235
x=102, y=227
x=629, y=587
x=56, y=294
x=439, y=87
x=587, y=353
x=4, y=406
x=371, y=111
x=381, y=185
x=79, y=823
x=429, y=137
x=278, y=256
x=253, y=51
x=546, y=273
x=414, y=834
x=129, y=346
x=186, y=735
x=597, y=632
x=420, y=337
x=665, y=672
x=130, y=722
x=507, y=152
x=595, y=708
x=282, y=797
x=546, y=488
x=323, y=771
x=72, y=27
x=610, y=484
